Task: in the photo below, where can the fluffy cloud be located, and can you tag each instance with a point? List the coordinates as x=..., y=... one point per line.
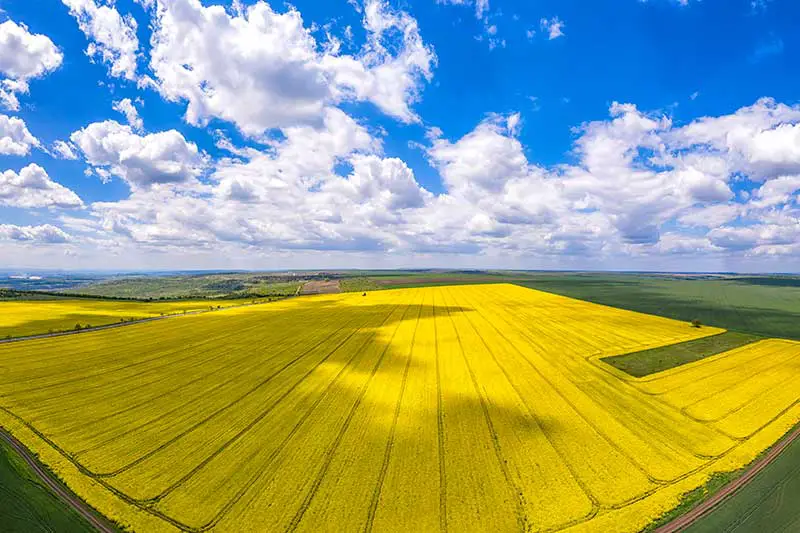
x=778, y=191
x=761, y=140
x=261, y=69
x=141, y=160
x=636, y=174
x=15, y=139
x=482, y=161
x=301, y=161
x=640, y=186
x=711, y=216
x=385, y=185
x=554, y=27
x=63, y=150
x=23, y=56
x=126, y=107
x=286, y=197
x=390, y=81
x=32, y=188
x=44, y=234
x=112, y=36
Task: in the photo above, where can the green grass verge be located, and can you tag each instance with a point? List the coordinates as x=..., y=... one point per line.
x=646, y=362
x=693, y=498
x=27, y=506
x=769, y=502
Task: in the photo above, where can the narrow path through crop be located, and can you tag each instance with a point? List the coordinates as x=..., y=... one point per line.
x=63, y=494
x=686, y=520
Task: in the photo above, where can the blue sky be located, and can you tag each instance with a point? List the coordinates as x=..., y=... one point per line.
x=619, y=134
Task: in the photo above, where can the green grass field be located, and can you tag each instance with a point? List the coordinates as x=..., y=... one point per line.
x=646, y=362
x=762, y=306
x=26, y=506
x=234, y=285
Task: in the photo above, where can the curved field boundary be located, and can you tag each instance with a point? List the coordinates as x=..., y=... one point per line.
x=186, y=401
x=123, y=496
x=603, y=434
x=686, y=520
x=55, y=487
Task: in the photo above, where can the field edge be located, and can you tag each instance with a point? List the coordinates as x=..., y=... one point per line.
x=56, y=487
x=717, y=484
x=123, y=516
x=651, y=361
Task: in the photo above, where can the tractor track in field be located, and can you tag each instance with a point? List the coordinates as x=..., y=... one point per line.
x=686, y=520
x=55, y=487
x=123, y=324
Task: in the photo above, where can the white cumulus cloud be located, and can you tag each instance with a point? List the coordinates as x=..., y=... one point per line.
x=141, y=160
x=126, y=107
x=261, y=69
x=112, y=37
x=43, y=234
x=23, y=56
x=33, y=188
x=553, y=26
x=63, y=150
x=15, y=139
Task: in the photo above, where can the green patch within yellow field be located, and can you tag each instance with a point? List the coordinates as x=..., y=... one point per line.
x=471, y=408
x=20, y=318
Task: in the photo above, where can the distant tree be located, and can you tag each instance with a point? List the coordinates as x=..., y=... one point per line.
x=696, y=323
x=364, y=294
x=77, y=326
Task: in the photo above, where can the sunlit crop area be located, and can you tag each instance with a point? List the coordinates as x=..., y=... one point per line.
x=472, y=408
x=19, y=318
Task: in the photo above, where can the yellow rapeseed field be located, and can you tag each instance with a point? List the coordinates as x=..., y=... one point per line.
x=19, y=318
x=471, y=408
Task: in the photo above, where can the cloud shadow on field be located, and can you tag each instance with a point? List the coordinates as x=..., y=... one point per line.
x=420, y=428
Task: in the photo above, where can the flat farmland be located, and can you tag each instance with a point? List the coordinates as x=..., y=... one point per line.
x=463, y=408
x=20, y=318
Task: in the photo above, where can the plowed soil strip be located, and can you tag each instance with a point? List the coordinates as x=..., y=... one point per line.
x=684, y=521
